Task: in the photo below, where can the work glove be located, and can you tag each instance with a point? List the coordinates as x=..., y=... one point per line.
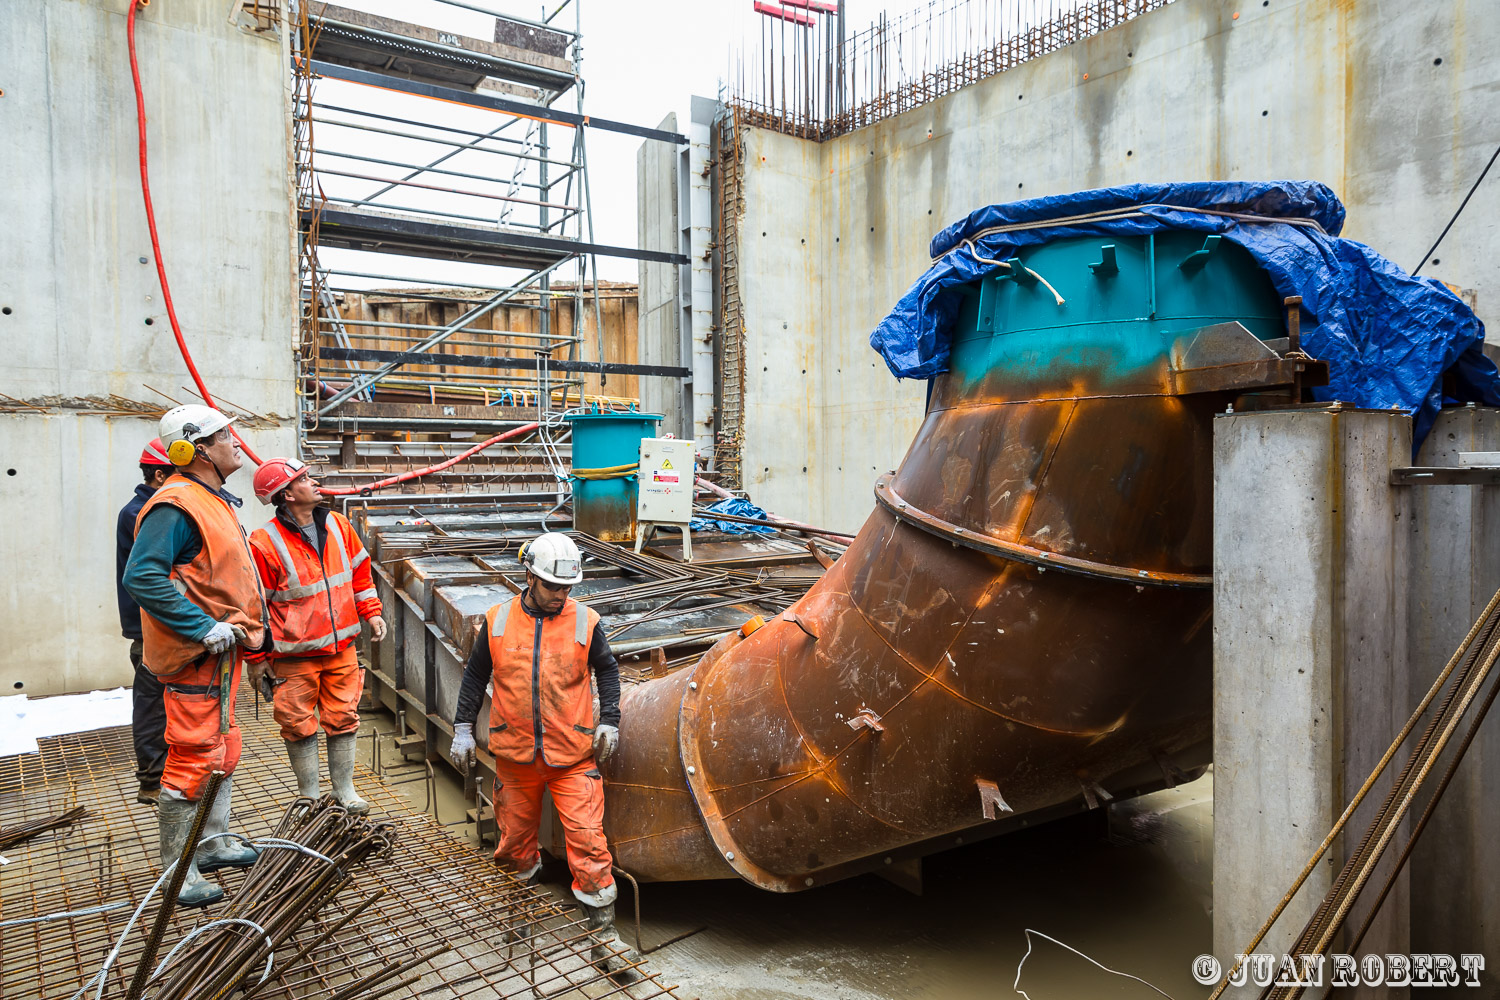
x=606, y=740
x=463, y=746
x=222, y=636
x=377, y=628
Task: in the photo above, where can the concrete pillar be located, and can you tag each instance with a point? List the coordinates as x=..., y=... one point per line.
x=1310, y=646
x=1455, y=570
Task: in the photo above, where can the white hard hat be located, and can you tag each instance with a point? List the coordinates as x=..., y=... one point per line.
x=554, y=558
x=189, y=423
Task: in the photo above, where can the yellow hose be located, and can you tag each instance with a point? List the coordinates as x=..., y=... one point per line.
x=608, y=472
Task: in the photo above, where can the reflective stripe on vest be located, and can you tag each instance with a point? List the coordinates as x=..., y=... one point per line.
x=311, y=616
x=311, y=645
x=296, y=589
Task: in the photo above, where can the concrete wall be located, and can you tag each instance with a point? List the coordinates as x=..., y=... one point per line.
x=82, y=315
x=1310, y=671
x=834, y=233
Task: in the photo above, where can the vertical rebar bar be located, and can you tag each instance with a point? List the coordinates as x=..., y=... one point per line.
x=173, y=886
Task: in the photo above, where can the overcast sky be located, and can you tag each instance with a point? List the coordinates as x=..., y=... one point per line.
x=642, y=59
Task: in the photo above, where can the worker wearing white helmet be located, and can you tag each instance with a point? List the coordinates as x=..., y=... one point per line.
x=191, y=571
x=537, y=652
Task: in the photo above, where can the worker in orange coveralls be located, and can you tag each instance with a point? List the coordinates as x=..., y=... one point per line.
x=191, y=572
x=537, y=651
x=318, y=587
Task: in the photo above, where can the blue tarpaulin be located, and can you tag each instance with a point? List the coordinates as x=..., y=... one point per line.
x=1387, y=336
x=735, y=507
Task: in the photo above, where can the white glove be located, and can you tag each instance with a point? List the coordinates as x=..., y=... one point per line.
x=463, y=746
x=222, y=636
x=606, y=740
x=377, y=628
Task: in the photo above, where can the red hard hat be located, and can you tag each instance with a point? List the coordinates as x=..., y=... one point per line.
x=276, y=475
x=155, y=453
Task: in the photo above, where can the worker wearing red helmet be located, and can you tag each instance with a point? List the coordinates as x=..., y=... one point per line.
x=148, y=714
x=318, y=587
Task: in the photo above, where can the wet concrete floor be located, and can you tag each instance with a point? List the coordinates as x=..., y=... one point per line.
x=1129, y=887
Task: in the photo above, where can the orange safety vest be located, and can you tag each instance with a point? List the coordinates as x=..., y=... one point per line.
x=313, y=605
x=541, y=697
x=221, y=579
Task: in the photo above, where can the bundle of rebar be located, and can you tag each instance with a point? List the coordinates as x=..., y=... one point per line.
x=308, y=860
x=22, y=832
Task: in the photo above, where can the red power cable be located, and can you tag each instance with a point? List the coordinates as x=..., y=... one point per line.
x=161, y=271
x=405, y=476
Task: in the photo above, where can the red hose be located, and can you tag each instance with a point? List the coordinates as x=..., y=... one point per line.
x=346, y=491
x=161, y=271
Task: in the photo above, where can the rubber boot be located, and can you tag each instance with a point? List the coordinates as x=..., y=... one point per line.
x=223, y=852
x=174, y=822
x=341, y=773
x=601, y=921
x=304, y=757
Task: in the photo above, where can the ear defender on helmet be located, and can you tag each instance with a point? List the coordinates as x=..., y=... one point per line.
x=181, y=452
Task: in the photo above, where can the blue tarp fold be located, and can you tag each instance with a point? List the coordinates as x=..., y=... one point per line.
x=735, y=507
x=1387, y=336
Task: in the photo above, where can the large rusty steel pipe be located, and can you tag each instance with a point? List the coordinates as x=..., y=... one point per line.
x=1022, y=626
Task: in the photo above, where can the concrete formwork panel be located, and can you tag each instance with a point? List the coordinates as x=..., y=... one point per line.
x=1310, y=670
x=83, y=316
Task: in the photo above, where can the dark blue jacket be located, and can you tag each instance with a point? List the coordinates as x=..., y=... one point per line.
x=130, y=612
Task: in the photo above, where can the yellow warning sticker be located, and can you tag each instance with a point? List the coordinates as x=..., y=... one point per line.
x=666, y=463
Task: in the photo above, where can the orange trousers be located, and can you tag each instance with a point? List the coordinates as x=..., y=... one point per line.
x=329, y=686
x=195, y=747
x=578, y=795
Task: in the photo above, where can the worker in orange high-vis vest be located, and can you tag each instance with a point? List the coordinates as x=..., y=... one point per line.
x=537, y=652
x=191, y=572
x=318, y=586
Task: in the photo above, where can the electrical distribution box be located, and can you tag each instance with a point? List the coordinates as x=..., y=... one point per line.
x=666, y=481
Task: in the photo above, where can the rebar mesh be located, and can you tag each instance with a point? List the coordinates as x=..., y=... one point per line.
x=438, y=890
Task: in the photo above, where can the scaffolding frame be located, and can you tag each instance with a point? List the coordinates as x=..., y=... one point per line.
x=480, y=179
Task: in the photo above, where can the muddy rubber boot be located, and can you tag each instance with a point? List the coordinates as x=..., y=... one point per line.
x=304, y=757
x=341, y=773
x=223, y=852
x=174, y=821
x=601, y=921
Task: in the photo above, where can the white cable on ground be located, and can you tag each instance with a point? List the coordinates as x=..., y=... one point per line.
x=270, y=945
x=1113, y=972
x=101, y=977
x=107, y=907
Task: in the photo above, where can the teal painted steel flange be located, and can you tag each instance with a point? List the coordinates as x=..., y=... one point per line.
x=1125, y=299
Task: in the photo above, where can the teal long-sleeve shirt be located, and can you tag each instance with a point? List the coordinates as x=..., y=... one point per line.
x=166, y=538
